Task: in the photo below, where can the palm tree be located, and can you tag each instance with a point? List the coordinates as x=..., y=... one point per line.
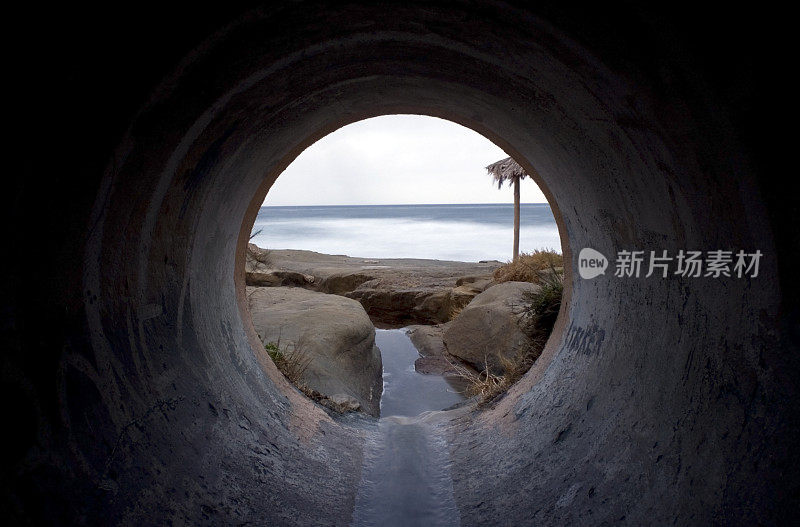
x=509, y=170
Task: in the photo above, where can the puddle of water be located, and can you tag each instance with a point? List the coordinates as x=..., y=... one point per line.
x=406, y=392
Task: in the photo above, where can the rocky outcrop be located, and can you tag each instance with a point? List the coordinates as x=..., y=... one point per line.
x=279, y=278
x=332, y=331
x=343, y=283
x=394, y=292
x=260, y=271
x=391, y=303
x=491, y=326
x=428, y=339
x=396, y=308
x=478, y=284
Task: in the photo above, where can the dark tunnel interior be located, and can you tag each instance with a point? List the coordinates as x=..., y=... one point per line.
x=147, y=136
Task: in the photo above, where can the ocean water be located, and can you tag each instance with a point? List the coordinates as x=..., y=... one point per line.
x=467, y=233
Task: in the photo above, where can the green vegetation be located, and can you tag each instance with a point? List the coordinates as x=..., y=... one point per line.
x=544, y=304
x=291, y=362
x=274, y=352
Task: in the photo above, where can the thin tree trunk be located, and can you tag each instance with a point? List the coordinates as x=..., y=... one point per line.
x=516, y=218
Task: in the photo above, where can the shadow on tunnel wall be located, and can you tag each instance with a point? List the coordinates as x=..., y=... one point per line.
x=143, y=133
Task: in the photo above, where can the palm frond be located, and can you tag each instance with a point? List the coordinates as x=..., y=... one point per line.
x=506, y=170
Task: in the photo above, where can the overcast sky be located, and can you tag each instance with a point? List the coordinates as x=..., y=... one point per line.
x=396, y=159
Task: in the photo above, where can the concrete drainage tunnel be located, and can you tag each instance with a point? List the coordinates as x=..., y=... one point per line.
x=130, y=370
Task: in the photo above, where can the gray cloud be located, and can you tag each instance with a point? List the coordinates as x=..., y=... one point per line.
x=396, y=159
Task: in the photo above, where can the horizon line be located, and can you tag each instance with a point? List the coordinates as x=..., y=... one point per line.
x=401, y=204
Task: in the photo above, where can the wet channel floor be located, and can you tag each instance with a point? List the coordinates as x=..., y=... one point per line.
x=406, y=478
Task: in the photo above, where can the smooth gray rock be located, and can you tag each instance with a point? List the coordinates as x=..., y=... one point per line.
x=428, y=339
x=335, y=333
x=491, y=326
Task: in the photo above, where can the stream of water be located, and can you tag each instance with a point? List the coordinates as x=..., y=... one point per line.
x=406, y=392
x=406, y=478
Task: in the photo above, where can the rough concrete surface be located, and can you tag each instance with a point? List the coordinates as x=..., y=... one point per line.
x=145, y=138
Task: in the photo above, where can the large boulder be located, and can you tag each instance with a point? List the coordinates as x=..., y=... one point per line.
x=332, y=331
x=491, y=326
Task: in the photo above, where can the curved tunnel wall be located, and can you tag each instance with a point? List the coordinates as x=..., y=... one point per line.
x=655, y=401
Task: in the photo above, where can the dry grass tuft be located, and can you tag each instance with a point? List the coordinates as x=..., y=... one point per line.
x=529, y=267
x=455, y=311
x=257, y=254
x=487, y=385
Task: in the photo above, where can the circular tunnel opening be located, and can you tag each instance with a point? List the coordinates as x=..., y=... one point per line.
x=657, y=401
x=395, y=213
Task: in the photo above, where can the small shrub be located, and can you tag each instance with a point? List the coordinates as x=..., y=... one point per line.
x=273, y=351
x=292, y=361
x=529, y=267
x=543, y=305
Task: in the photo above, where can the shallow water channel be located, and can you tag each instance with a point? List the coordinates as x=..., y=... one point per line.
x=406, y=392
x=405, y=478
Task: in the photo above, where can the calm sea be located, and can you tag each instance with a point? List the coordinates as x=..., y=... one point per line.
x=466, y=233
